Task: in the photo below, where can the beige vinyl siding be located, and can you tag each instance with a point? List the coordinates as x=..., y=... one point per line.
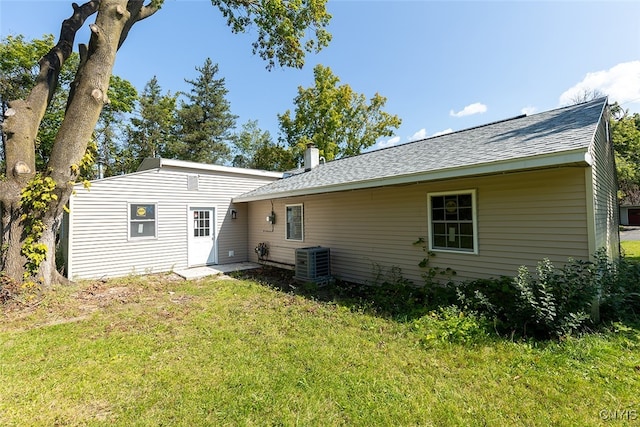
x=522, y=218
x=605, y=201
x=99, y=245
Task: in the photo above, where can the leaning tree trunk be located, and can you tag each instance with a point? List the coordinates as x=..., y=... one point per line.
x=24, y=216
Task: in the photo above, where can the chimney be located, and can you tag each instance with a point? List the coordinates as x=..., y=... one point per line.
x=311, y=157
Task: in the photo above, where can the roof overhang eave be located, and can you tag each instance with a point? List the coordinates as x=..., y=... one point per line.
x=159, y=163
x=575, y=157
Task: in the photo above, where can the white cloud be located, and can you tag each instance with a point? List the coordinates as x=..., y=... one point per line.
x=388, y=143
x=476, y=108
x=528, y=110
x=443, y=132
x=620, y=82
x=421, y=134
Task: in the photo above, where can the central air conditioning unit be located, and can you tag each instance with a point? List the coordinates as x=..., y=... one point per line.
x=313, y=265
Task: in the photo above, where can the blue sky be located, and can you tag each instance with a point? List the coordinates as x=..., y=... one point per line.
x=442, y=65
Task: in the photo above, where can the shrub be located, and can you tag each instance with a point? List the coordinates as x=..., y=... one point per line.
x=620, y=290
x=556, y=302
x=451, y=325
x=494, y=298
x=390, y=293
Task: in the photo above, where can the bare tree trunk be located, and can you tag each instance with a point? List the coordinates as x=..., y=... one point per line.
x=88, y=95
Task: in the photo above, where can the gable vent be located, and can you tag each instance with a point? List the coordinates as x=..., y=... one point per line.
x=192, y=182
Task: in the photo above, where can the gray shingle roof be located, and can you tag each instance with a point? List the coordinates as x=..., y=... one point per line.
x=553, y=137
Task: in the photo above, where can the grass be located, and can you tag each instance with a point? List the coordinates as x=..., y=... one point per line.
x=631, y=249
x=157, y=351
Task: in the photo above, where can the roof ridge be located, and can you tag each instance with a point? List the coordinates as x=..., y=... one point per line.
x=555, y=137
x=520, y=116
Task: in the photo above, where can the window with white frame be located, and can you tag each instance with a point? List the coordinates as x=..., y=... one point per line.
x=142, y=220
x=294, y=222
x=452, y=221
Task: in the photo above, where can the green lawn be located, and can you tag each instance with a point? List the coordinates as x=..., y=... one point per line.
x=631, y=249
x=220, y=352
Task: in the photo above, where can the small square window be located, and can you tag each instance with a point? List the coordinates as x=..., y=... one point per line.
x=142, y=220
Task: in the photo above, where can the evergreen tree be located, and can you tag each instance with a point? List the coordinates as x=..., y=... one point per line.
x=153, y=130
x=204, y=120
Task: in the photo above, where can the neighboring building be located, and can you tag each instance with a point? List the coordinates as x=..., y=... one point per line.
x=169, y=215
x=486, y=200
x=630, y=215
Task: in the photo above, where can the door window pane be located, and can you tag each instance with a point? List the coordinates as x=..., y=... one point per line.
x=201, y=223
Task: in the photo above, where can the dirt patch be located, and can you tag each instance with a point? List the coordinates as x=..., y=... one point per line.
x=99, y=295
x=75, y=302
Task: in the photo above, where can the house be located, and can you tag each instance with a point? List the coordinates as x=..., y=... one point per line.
x=630, y=215
x=168, y=215
x=486, y=200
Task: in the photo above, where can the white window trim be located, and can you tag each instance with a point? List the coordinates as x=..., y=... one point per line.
x=286, y=224
x=129, y=220
x=474, y=213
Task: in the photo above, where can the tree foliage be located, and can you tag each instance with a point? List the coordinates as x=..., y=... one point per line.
x=205, y=122
x=337, y=120
x=283, y=27
x=152, y=132
x=19, y=64
x=19, y=68
x=112, y=125
x=625, y=135
x=255, y=149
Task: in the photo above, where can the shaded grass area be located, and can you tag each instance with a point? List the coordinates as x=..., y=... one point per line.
x=220, y=351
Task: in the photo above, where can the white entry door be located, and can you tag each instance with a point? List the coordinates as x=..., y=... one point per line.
x=202, y=248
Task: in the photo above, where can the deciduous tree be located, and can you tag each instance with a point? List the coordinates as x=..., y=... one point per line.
x=625, y=135
x=335, y=119
x=255, y=149
x=111, y=127
x=19, y=68
x=32, y=204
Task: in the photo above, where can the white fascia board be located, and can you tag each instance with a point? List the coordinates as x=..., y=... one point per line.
x=527, y=163
x=182, y=164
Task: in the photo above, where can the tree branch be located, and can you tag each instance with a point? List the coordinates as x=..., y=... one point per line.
x=51, y=63
x=21, y=128
x=138, y=11
x=91, y=85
